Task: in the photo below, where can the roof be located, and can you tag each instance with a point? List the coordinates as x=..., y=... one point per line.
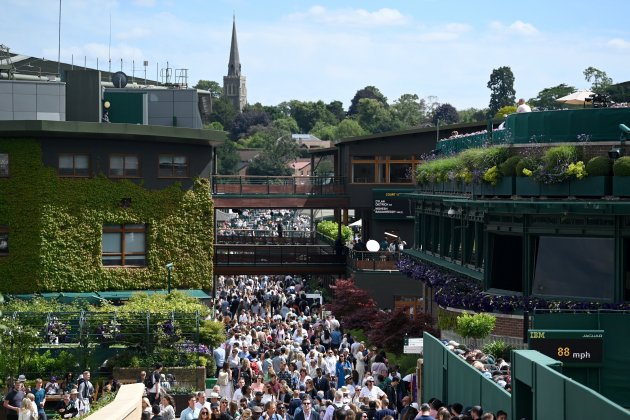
x=412, y=131
x=234, y=64
x=130, y=132
x=300, y=164
x=95, y=297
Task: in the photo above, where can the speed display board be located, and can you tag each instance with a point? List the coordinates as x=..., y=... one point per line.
x=571, y=347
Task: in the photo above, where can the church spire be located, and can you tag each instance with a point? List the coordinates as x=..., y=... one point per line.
x=234, y=65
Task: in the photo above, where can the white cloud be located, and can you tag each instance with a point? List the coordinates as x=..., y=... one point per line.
x=516, y=28
x=622, y=44
x=355, y=17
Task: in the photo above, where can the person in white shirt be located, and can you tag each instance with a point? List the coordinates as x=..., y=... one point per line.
x=522, y=106
x=201, y=401
x=370, y=391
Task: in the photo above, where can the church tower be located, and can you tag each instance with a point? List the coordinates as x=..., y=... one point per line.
x=234, y=88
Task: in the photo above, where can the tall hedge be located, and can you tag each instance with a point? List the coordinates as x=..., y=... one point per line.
x=55, y=229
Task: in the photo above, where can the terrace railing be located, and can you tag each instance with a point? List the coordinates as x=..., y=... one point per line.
x=277, y=185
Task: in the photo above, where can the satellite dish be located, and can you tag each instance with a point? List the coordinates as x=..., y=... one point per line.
x=372, y=245
x=119, y=79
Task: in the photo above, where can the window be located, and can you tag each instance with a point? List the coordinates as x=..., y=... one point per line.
x=507, y=263
x=574, y=267
x=74, y=165
x=124, y=166
x=173, y=166
x=4, y=165
x=4, y=241
x=383, y=169
x=124, y=245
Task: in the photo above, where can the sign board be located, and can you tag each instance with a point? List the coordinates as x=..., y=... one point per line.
x=389, y=205
x=315, y=296
x=571, y=347
x=413, y=345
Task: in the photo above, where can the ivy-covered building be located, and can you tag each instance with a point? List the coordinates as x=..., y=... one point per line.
x=91, y=206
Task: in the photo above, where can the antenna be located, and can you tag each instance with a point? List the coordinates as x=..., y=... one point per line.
x=109, y=48
x=59, y=44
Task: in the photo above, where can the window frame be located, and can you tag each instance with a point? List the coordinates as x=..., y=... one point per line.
x=8, y=166
x=122, y=229
x=74, y=169
x=124, y=169
x=382, y=169
x=172, y=176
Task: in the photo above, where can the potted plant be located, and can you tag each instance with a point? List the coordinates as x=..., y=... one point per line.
x=500, y=179
x=621, y=180
x=477, y=326
x=596, y=182
x=525, y=183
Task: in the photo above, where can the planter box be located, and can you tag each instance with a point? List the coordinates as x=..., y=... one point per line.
x=527, y=186
x=505, y=186
x=591, y=186
x=621, y=186
x=561, y=189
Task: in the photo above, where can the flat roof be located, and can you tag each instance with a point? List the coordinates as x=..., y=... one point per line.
x=111, y=131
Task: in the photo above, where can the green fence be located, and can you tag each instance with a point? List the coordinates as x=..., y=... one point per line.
x=448, y=377
x=611, y=378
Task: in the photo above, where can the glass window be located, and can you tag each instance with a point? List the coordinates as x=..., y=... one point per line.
x=124, y=245
x=74, y=165
x=4, y=164
x=171, y=166
x=363, y=172
x=400, y=172
x=571, y=266
x=121, y=166
x=4, y=241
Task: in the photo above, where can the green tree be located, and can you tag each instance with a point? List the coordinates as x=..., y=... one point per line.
x=336, y=108
x=324, y=167
x=215, y=125
x=275, y=158
x=501, y=87
x=368, y=92
x=216, y=91
x=374, y=117
x=470, y=115
x=287, y=124
x=223, y=112
x=324, y=131
x=247, y=119
x=228, y=158
x=349, y=127
x=446, y=114
x=547, y=98
x=410, y=110
x=599, y=79
x=505, y=111
x=307, y=114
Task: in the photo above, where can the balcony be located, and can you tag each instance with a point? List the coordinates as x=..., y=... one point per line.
x=278, y=185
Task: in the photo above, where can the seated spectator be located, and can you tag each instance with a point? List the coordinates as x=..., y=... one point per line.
x=52, y=386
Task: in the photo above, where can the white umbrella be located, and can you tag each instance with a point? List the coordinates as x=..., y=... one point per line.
x=575, y=98
x=357, y=223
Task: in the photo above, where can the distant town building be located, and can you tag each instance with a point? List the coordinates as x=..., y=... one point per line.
x=301, y=167
x=309, y=141
x=234, y=86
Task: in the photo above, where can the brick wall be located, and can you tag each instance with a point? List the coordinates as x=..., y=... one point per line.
x=506, y=326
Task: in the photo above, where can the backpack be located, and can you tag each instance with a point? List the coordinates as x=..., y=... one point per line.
x=148, y=381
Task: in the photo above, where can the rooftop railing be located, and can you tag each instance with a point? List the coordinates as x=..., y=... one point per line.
x=278, y=185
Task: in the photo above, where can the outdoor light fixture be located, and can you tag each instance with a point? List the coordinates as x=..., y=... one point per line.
x=451, y=212
x=169, y=267
x=617, y=152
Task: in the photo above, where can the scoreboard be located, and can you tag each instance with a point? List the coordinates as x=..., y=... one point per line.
x=571, y=347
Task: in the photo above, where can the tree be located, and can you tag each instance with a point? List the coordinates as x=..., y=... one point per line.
x=599, y=78
x=374, y=117
x=223, y=112
x=501, y=86
x=505, y=111
x=216, y=91
x=353, y=306
x=336, y=108
x=245, y=120
x=287, y=124
x=275, y=158
x=368, y=92
x=324, y=167
x=323, y=131
x=215, y=125
x=470, y=115
x=446, y=114
x=390, y=329
x=228, y=158
x=307, y=114
x=349, y=128
x=410, y=110
x=547, y=98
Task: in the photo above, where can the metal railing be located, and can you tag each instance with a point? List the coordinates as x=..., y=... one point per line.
x=291, y=185
x=276, y=254
x=265, y=237
x=366, y=260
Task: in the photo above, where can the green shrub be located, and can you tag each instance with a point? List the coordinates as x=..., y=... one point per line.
x=330, y=229
x=560, y=155
x=483, y=158
x=508, y=168
x=438, y=170
x=599, y=166
x=475, y=326
x=498, y=349
x=622, y=166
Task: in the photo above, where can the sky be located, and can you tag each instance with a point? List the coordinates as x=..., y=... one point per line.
x=329, y=49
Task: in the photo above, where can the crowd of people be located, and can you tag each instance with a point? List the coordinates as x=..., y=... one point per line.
x=266, y=222
x=283, y=360
x=27, y=403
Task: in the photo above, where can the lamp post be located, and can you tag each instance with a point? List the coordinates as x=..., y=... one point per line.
x=169, y=267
